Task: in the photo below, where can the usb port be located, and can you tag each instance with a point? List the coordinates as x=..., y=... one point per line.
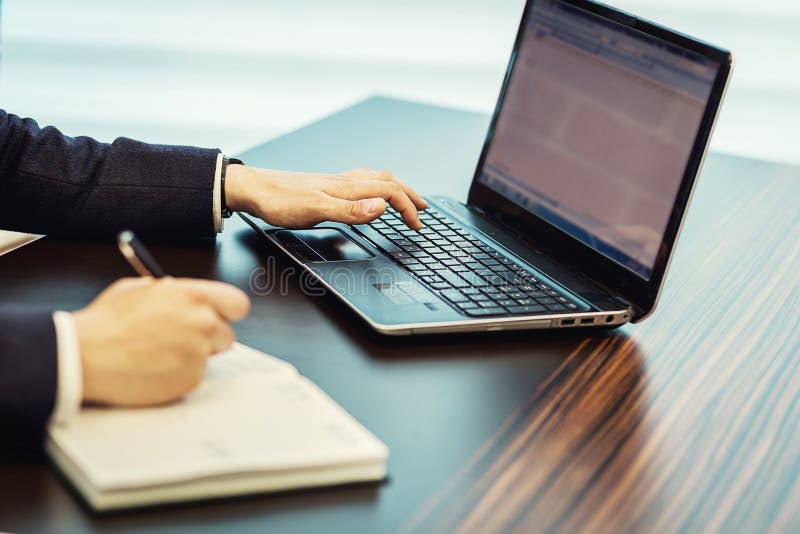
x=567, y=322
x=587, y=320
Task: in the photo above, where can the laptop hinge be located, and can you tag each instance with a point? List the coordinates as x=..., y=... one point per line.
x=497, y=217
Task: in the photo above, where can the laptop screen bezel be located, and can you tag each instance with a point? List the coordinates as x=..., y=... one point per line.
x=640, y=293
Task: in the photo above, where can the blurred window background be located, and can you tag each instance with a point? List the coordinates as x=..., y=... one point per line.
x=232, y=74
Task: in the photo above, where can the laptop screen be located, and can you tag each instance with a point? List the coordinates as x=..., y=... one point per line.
x=596, y=130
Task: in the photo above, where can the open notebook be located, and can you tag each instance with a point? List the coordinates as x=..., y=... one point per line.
x=254, y=425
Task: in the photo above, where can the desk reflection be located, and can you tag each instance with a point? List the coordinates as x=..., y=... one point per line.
x=553, y=455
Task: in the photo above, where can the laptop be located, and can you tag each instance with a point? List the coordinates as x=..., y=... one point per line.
x=582, y=185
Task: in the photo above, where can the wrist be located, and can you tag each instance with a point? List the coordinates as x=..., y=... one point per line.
x=236, y=177
x=83, y=326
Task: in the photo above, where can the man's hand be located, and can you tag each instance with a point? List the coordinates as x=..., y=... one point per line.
x=301, y=200
x=146, y=341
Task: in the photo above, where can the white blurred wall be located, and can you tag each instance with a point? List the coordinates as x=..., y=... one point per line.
x=231, y=74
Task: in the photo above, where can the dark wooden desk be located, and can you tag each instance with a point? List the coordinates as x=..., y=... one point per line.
x=688, y=421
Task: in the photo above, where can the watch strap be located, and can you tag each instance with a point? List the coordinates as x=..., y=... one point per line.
x=226, y=212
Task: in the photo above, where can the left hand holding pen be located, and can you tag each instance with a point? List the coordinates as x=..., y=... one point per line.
x=301, y=200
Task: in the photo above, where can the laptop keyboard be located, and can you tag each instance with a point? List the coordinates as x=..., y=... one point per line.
x=457, y=265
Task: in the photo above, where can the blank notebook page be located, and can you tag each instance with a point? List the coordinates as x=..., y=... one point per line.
x=252, y=413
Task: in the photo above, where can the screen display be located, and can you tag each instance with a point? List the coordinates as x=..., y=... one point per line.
x=596, y=129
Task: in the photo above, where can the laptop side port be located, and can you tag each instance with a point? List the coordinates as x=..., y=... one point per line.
x=587, y=320
x=567, y=322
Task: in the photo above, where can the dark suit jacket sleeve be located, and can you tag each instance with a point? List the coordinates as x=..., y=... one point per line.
x=77, y=187
x=28, y=370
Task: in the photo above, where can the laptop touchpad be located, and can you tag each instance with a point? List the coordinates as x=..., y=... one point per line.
x=329, y=244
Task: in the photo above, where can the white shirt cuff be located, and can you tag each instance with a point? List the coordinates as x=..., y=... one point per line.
x=217, y=196
x=69, y=387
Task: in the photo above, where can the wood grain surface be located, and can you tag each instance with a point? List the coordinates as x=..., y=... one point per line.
x=689, y=421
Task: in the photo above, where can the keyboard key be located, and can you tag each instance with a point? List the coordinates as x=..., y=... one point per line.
x=535, y=293
x=374, y=236
x=474, y=279
x=526, y=309
x=456, y=252
x=453, y=279
x=482, y=312
x=468, y=305
x=507, y=302
x=487, y=304
x=453, y=295
x=495, y=280
x=440, y=285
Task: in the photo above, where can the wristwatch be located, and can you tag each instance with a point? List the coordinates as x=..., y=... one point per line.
x=226, y=213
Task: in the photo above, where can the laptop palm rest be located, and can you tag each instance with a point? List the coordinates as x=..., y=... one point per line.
x=322, y=245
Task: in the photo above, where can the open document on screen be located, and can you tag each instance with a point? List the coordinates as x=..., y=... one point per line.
x=596, y=130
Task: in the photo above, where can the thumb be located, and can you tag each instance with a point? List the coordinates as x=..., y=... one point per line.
x=354, y=211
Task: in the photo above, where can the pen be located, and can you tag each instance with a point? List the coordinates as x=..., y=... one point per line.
x=138, y=256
